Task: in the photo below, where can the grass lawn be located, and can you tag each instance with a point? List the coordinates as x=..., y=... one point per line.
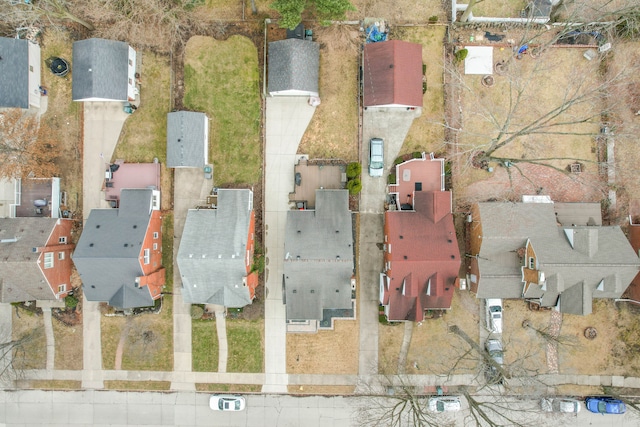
x=231, y=388
x=167, y=249
x=68, y=345
x=55, y=384
x=144, y=135
x=221, y=79
x=148, y=343
x=427, y=131
x=137, y=385
x=204, y=341
x=63, y=116
x=333, y=130
x=32, y=353
x=245, y=346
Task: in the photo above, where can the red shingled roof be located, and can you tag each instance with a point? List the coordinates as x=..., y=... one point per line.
x=393, y=74
x=424, y=257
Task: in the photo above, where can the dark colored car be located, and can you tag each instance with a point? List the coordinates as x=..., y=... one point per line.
x=605, y=405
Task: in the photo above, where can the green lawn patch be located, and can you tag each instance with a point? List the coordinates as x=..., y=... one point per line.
x=137, y=385
x=221, y=79
x=245, y=346
x=144, y=135
x=231, y=388
x=167, y=249
x=55, y=384
x=204, y=341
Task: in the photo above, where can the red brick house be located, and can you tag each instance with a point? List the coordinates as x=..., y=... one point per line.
x=35, y=259
x=421, y=258
x=119, y=255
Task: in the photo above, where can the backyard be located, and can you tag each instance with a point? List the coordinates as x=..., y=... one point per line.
x=221, y=79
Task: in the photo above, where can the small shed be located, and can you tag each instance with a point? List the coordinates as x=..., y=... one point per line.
x=294, y=66
x=187, y=139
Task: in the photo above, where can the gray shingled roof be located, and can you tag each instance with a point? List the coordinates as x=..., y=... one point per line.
x=106, y=255
x=293, y=65
x=20, y=277
x=600, y=257
x=213, y=250
x=14, y=73
x=319, y=260
x=187, y=139
x=100, y=69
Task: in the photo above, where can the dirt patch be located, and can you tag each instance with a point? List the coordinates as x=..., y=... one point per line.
x=326, y=352
x=335, y=390
x=32, y=353
x=68, y=339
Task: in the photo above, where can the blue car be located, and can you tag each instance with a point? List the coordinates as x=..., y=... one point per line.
x=605, y=405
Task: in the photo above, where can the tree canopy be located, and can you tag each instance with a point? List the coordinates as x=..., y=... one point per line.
x=325, y=10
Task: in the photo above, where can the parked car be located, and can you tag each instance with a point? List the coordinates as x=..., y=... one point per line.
x=226, y=402
x=376, y=157
x=444, y=404
x=491, y=374
x=605, y=405
x=560, y=404
x=494, y=348
x=494, y=315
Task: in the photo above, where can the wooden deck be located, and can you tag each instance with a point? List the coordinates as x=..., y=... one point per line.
x=314, y=177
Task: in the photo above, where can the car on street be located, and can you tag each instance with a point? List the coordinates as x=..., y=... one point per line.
x=605, y=405
x=494, y=315
x=444, y=404
x=491, y=373
x=226, y=402
x=560, y=404
x=376, y=157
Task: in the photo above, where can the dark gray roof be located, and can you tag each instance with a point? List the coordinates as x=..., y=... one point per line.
x=578, y=213
x=600, y=257
x=294, y=65
x=187, y=139
x=540, y=8
x=100, y=69
x=20, y=277
x=107, y=254
x=14, y=73
x=319, y=262
x=213, y=248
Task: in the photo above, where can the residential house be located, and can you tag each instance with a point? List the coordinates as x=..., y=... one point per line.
x=319, y=260
x=103, y=70
x=519, y=250
x=633, y=291
x=187, y=139
x=421, y=253
x=36, y=197
x=19, y=73
x=35, y=259
x=121, y=175
x=119, y=254
x=392, y=74
x=216, y=251
x=294, y=66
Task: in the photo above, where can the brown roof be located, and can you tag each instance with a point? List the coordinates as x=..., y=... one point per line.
x=393, y=74
x=424, y=257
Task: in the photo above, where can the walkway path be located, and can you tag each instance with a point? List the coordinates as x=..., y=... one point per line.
x=103, y=123
x=48, y=333
x=221, y=330
x=190, y=190
x=404, y=349
x=286, y=121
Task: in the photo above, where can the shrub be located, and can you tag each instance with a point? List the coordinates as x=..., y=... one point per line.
x=353, y=170
x=416, y=155
x=354, y=186
x=391, y=179
x=71, y=301
x=433, y=19
x=461, y=55
x=196, y=312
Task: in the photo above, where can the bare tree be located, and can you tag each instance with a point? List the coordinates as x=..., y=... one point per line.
x=39, y=12
x=15, y=352
x=26, y=146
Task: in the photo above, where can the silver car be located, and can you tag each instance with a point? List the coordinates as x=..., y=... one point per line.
x=376, y=157
x=560, y=404
x=444, y=404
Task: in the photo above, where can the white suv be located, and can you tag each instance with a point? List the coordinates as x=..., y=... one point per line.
x=494, y=315
x=376, y=157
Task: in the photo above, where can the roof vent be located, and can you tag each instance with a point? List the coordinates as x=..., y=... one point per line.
x=126, y=245
x=97, y=225
x=313, y=291
x=90, y=245
x=405, y=257
x=295, y=291
x=401, y=236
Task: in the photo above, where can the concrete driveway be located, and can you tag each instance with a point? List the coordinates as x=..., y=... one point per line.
x=103, y=123
x=287, y=119
x=392, y=125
